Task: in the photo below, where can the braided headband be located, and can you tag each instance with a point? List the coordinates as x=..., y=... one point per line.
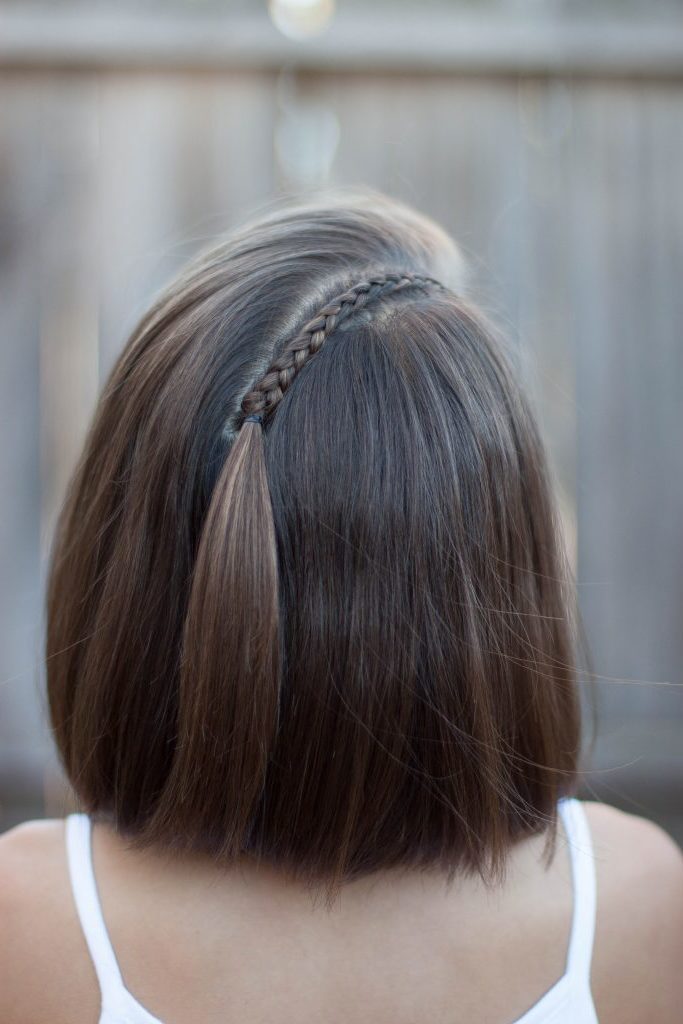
x=266, y=394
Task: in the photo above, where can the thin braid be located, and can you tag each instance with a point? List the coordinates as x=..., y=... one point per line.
x=268, y=391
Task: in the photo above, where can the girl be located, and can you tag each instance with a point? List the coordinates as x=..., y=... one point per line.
x=310, y=668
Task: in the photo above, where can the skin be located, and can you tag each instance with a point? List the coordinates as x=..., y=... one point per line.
x=195, y=943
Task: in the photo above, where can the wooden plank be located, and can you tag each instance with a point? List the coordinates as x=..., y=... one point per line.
x=69, y=288
x=443, y=41
x=179, y=162
x=627, y=249
x=25, y=194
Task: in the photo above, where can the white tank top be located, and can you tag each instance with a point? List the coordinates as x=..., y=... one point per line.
x=568, y=1001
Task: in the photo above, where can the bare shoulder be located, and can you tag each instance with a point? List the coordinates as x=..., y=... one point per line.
x=30, y=856
x=632, y=834
x=38, y=925
x=636, y=972
x=32, y=838
x=639, y=858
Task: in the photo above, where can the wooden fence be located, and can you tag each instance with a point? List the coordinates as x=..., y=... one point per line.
x=553, y=153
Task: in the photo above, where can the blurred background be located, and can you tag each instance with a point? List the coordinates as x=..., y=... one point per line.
x=547, y=137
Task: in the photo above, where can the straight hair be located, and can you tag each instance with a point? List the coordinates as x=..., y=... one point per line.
x=308, y=599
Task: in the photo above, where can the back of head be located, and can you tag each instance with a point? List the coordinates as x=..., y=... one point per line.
x=308, y=599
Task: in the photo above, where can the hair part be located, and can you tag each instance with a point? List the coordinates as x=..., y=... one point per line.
x=339, y=638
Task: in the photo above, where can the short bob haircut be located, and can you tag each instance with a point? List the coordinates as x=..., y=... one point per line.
x=308, y=600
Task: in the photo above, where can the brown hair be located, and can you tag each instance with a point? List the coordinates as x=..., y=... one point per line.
x=337, y=635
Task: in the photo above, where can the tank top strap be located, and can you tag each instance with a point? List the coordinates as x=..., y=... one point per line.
x=86, y=898
x=584, y=887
